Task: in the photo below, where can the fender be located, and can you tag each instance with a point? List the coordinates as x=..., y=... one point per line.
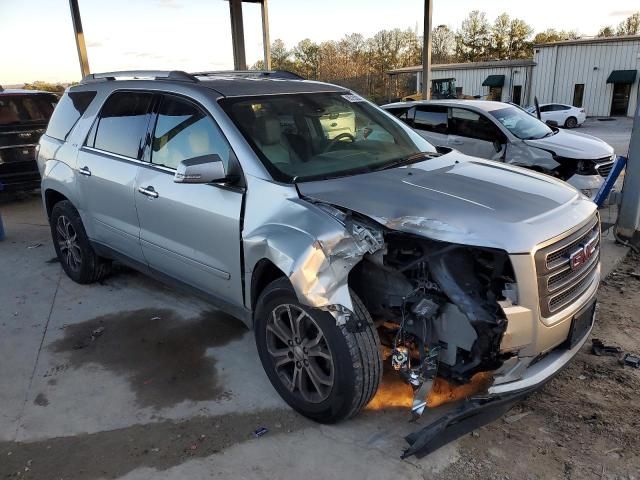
x=313, y=248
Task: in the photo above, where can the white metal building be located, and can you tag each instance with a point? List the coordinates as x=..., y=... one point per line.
x=598, y=74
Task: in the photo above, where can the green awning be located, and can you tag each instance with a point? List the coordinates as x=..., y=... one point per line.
x=626, y=77
x=493, y=81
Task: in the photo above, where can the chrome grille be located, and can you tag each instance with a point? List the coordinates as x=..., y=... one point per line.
x=560, y=282
x=604, y=169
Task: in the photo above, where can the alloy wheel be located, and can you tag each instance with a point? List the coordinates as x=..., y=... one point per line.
x=68, y=243
x=300, y=353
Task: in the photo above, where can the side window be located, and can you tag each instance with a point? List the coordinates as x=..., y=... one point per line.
x=562, y=107
x=400, y=112
x=184, y=131
x=473, y=125
x=122, y=124
x=67, y=113
x=546, y=108
x=431, y=119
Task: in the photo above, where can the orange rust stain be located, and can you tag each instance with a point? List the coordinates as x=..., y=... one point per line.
x=395, y=393
x=445, y=392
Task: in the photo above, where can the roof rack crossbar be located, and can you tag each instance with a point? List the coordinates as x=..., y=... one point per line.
x=141, y=74
x=277, y=74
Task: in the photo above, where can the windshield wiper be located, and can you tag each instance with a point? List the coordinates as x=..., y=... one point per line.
x=405, y=160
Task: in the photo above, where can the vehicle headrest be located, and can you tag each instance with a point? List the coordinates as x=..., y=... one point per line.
x=268, y=130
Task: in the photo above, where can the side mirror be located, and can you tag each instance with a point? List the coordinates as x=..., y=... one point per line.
x=203, y=169
x=551, y=123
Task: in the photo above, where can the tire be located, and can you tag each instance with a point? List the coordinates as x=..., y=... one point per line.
x=356, y=367
x=78, y=259
x=571, y=122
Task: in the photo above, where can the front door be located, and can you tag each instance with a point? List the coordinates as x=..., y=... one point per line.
x=190, y=232
x=517, y=94
x=620, y=100
x=107, y=166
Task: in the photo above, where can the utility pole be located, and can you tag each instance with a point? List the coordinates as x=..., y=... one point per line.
x=426, y=51
x=237, y=35
x=629, y=217
x=266, y=42
x=79, y=35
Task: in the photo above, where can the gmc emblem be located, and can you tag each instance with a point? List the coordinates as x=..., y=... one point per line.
x=582, y=255
x=24, y=135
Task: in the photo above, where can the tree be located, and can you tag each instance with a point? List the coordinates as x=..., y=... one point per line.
x=280, y=55
x=630, y=25
x=473, y=38
x=607, y=31
x=520, y=33
x=44, y=86
x=552, y=35
x=443, y=44
x=500, y=31
x=307, y=58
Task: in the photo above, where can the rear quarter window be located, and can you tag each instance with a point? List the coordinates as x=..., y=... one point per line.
x=26, y=108
x=69, y=110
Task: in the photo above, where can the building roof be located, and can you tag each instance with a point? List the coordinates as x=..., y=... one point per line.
x=590, y=40
x=524, y=62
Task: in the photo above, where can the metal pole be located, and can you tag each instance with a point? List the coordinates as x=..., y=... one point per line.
x=266, y=42
x=237, y=35
x=79, y=34
x=629, y=217
x=426, y=51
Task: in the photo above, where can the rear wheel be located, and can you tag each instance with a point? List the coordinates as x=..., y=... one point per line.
x=322, y=370
x=571, y=122
x=78, y=259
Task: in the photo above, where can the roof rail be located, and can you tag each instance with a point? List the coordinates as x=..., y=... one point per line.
x=277, y=74
x=141, y=74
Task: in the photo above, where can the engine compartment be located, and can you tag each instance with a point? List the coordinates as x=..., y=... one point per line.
x=436, y=307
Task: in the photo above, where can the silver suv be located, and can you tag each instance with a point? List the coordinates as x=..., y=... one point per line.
x=338, y=249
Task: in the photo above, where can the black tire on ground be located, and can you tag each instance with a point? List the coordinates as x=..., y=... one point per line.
x=571, y=122
x=78, y=259
x=356, y=360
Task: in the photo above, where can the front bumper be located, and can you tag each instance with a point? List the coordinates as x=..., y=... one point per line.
x=481, y=410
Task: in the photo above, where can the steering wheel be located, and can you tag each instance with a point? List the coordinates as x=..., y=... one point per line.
x=337, y=138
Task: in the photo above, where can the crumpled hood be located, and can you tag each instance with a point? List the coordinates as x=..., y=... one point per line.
x=574, y=145
x=461, y=199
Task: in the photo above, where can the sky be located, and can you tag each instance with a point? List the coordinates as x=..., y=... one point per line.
x=37, y=42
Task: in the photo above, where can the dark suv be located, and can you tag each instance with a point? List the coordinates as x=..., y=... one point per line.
x=24, y=115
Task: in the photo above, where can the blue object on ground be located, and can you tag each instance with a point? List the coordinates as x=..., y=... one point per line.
x=604, y=191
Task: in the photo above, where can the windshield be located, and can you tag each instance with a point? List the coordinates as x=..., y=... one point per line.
x=322, y=135
x=15, y=109
x=521, y=124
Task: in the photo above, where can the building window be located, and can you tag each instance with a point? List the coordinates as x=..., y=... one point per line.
x=578, y=94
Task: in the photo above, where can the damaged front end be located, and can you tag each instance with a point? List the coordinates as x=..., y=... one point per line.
x=437, y=308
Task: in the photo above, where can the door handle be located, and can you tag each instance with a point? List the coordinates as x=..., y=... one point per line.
x=85, y=171
x=149, y=191
x=456, y=142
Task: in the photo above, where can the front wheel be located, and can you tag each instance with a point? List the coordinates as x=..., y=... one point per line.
x=322, y=370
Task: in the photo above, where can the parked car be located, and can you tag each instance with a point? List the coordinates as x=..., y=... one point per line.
x=325, y=246
x=24, y=115
x=563, y=115
x=503, y=132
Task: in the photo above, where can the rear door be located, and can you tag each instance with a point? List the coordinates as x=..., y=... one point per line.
x=473, y=133
x=430, y=121
x=190, y=232
x=106, y=172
